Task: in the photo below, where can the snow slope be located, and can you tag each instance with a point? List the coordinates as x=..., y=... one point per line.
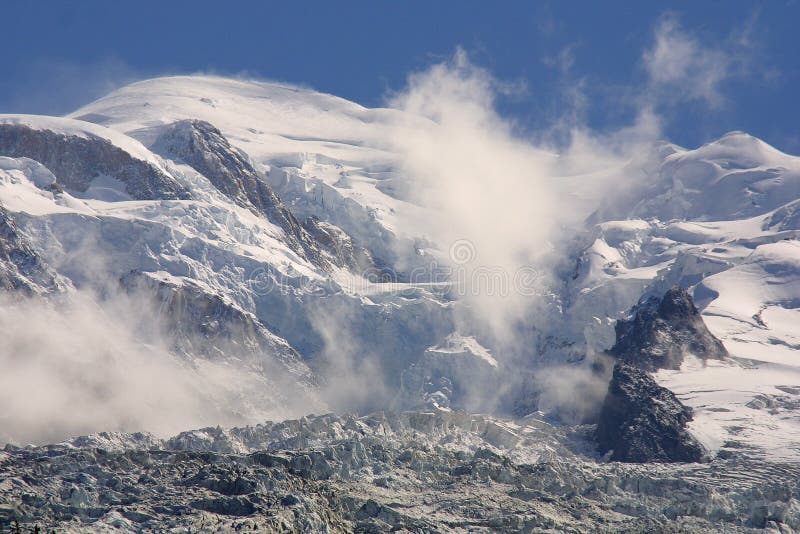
x=324, y=155
x=718, y=220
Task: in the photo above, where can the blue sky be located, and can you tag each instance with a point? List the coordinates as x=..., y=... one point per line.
x=705, y=67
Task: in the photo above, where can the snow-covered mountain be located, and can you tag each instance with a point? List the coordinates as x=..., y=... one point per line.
x=257, y=247
x=717, y=220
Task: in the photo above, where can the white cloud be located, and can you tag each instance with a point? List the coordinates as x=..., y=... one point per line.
x=516, y=198
x=681, y=67
x=509, y=195
x=482, y=183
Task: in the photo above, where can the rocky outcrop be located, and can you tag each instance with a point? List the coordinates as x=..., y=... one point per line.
x=660, y=332
x=21, y=268
x=641, y=421
x=76, y=161
x=203, y=147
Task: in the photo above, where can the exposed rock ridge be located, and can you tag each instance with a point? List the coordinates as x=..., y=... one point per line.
x=202, y=146
x=641, y=421
x=660, y=332
x=76, y=161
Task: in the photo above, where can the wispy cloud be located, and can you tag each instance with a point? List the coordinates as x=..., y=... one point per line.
x=57, y=87
x=482, y=182
x=680, y=66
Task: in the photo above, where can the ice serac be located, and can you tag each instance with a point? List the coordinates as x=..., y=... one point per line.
x=660, y=332
x=326, y=157
x=641, y=421
x=459, y=374
x=207, y=325
x=203, y=147
x=341, y=248
x=78, y=154
x=380, y=473
x=21, y=267
x=200, y=145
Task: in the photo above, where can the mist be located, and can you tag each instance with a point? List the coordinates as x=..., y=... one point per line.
x=503, y=205
x=487, y=191
x=81, y=364
x=498, y=198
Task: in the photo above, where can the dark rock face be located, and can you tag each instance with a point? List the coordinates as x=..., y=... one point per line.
x=21, y=268
x=661, y=331
x=77, y=161
x=641, y=421
x=203, y=147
